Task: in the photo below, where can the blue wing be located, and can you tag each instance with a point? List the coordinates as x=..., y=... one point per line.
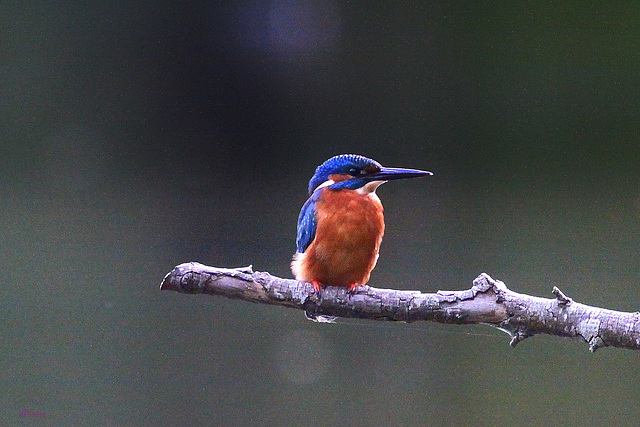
x=307, y=223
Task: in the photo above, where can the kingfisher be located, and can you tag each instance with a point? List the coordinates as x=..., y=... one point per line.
x=340, y=226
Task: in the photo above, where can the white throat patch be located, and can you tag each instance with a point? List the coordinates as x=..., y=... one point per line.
x=370, y=187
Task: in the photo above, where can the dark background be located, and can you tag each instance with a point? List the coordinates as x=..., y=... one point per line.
x=138, y=136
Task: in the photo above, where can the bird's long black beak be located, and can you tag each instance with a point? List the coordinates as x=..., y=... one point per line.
x=388, y=174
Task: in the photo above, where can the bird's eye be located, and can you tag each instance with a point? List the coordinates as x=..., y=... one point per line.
x=354, y=171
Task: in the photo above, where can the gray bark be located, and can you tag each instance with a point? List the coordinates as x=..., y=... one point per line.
x=488, y=302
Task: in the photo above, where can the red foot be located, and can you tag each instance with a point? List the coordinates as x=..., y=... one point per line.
x=317, y=286
x=353, y=286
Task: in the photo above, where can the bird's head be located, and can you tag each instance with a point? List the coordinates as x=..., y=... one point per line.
x=351, y=171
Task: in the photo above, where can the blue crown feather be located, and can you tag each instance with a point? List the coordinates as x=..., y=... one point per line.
x=350, y=164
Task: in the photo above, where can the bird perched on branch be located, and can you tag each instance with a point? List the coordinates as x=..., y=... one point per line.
x=340, y=226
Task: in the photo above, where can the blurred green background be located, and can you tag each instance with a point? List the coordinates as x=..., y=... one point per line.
x=136, y=136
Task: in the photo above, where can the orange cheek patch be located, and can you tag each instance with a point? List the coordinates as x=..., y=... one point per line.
x=338, y=177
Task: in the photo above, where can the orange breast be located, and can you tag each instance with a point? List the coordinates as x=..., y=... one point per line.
x=349, y=230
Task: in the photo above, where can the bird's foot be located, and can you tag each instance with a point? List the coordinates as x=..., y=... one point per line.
x=317, y=286
x=352, y=288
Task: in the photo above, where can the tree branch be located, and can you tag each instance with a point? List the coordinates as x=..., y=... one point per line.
x=488, y=301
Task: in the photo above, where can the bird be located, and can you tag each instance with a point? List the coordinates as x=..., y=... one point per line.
x=340, y=226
